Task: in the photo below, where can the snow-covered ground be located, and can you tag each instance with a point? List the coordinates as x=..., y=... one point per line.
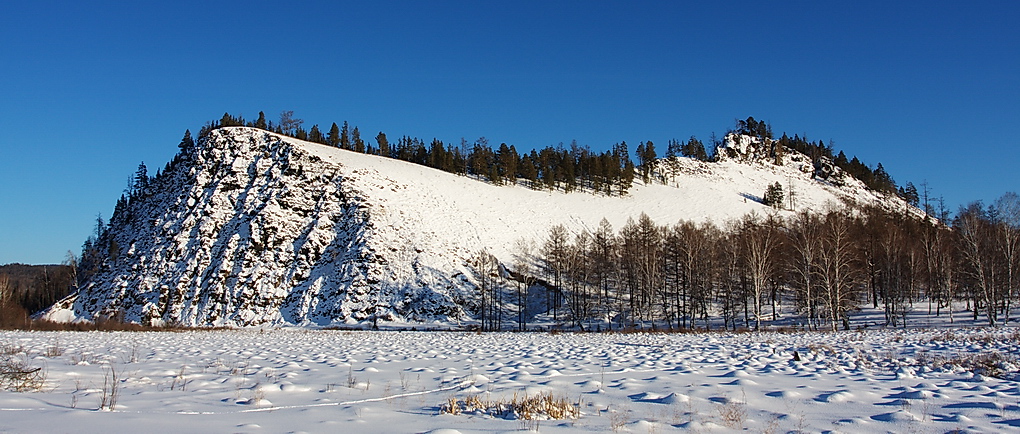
x=294, y=380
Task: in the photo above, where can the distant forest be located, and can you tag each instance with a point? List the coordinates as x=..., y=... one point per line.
x=26, y=289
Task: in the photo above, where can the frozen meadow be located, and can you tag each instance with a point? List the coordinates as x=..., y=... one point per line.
x=297, y=380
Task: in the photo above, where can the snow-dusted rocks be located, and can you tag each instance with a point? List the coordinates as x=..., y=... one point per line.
x=257, y=229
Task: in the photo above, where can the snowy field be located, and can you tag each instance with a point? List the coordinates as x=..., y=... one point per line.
x=342, y=381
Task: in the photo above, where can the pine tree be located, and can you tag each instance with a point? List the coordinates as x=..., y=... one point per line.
x=506, y=160
x=694, y=149
x=910, y=194
x=646, y=158
x=261, y=122
x=333, y=139
x=882, y=181
x=187, y=145
x=141, y=179
x=345, y=137
x=384, y=145
x=774, y=195
x=529, y=172
x=315, y=135
x=356, y=142
x=673, y=148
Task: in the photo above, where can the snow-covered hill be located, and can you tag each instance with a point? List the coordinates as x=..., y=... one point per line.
x=256, y=228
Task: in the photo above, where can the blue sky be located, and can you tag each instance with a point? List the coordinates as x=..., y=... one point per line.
x=87, y=91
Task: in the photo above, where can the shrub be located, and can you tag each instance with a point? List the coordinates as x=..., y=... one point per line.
x=17, y=374
x=523, y=407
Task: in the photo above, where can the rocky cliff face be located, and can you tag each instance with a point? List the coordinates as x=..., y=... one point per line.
x=252, y=229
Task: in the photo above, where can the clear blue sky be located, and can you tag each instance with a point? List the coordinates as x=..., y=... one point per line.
x=87, y=91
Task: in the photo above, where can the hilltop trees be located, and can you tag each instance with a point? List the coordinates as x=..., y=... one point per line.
x=574, y=167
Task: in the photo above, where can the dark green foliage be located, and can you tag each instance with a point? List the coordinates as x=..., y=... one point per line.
x=187, y=145
x=909, y=194
x=316, y=136
x=333, y=139
x=384, y=145
x=875, y=179
x=753, y=128
x=506, y=163
x=345, y=137
x=357, y=144
x=646, y=159
x=882, y=181
x=229, y=121
x=261, y=122
x=693, y=148
x=528, y=171
x=774, y=195
x=141, y=179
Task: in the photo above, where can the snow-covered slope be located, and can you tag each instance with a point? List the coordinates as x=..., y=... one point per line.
x=256, y=228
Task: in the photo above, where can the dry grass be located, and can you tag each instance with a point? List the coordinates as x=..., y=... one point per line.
x=993, y=364
x=733, y=414
x=521, y=406
x=111, y=389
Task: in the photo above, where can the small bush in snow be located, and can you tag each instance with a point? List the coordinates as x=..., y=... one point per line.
x=523, y=407
x=18, y=375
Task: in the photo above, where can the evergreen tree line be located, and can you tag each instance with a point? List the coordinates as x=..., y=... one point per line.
x=812, y=269
x=570, y=168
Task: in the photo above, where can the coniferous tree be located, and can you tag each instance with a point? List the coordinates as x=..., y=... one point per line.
x=345, y=137
x=187, y=145
x=909, y=194
x=260, y=123
x=506, y=159
x=333, y=137
x=356, y=142
x=141, y=179
x=882, y=181
x=674, y=149
x=646, y=158
x=528, y=171
x=384, y=145
x=315, y=135
x=693, y=148
x=774, y=195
